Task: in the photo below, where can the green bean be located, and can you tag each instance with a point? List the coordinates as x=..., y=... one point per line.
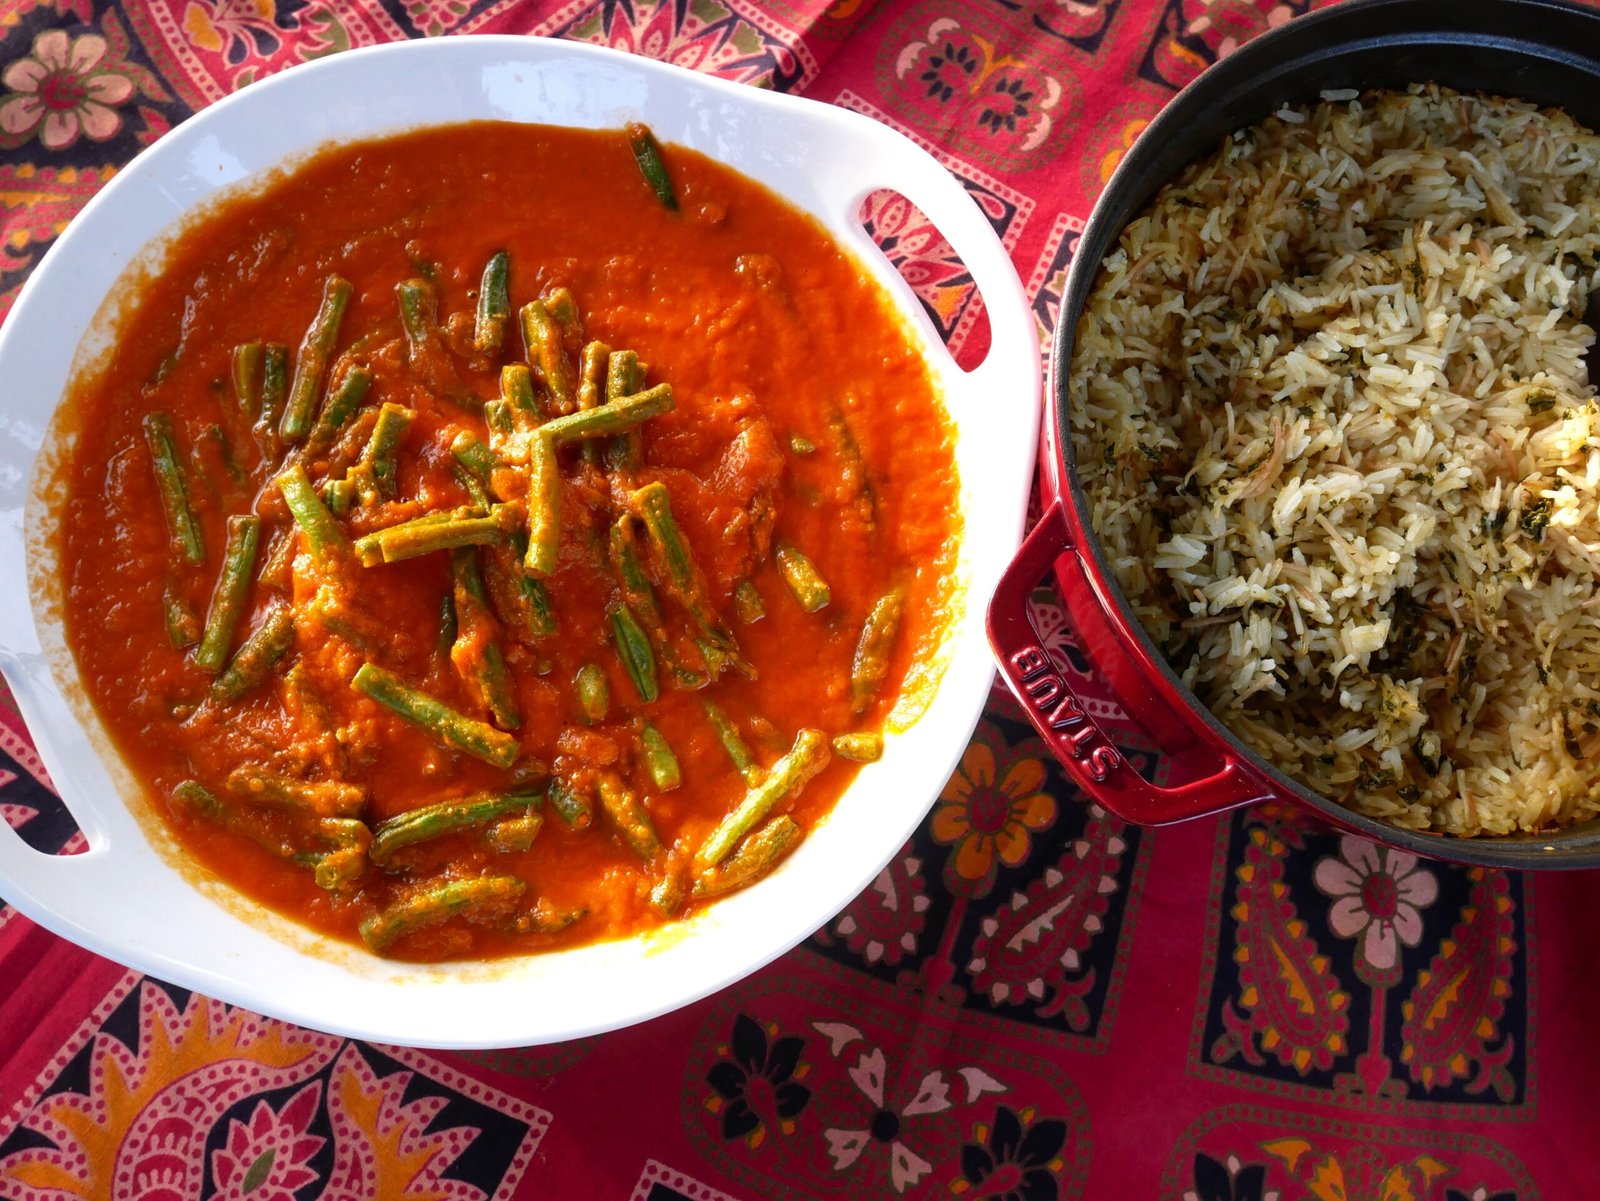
x=247, y=378
x=379, y=455
x=516, y=389
x=472, y=486
x=340, y=864
x=182, y=622
x=788, y=776
x=760, y=852
x=627, y=813
x=732, y=742
x=494, y=305
x=515, y=833
x=437, y=903
x=256, y=657
x=647, y=153
x=804, y=581
x=473, y=456
x=611, y=418
x=521, y=602
x=419, y=317
x=564, y=310
x=544, y=506
x=862, y=747
x=497, y=417
x=870, y=666
x=593, y=692
x=340, y=496
x=543, y=919
x=569, y=803
x=747, y=602
x=324, y=538
x=592, y=387
x=637, y=592
x=452, y=729
x=624, y=377
x=634, y=648
x=312, y=360
x=659, y=760
x=233, y=586
x=476, y=653
x=446, y=817
x=546, y=349
x=682, y=578
x=853, y=467
x=340, y=406
x=182, y=527
x=230, y=464
x=410, y=539
x=669, y=894
x=274, y=393
x=322, y=798
x=368, y=551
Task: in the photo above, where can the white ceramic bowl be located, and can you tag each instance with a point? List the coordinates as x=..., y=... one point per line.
x=128, y=897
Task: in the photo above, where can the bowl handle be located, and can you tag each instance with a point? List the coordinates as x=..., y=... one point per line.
x=1058, y=713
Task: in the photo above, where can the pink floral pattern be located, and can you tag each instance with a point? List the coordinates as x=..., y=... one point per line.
x=1378, y=895
x=65, y=89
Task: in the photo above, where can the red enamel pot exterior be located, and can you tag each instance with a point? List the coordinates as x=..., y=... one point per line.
x=1542, y=50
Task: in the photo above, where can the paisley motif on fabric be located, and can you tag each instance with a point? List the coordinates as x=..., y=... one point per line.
x=1193, y=34
x=855, y=1097
x=164, y=1085
x=1253, y=1153
x=1315, y=937
x=741, y=42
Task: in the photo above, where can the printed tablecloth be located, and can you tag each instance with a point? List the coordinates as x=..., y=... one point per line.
x=1033, y=1000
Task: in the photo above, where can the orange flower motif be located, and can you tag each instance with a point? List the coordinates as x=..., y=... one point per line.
x=983, y=818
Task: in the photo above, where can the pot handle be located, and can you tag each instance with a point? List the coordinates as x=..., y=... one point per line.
x=1057, y=712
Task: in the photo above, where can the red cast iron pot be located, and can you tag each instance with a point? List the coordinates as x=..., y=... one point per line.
x=1540, y=50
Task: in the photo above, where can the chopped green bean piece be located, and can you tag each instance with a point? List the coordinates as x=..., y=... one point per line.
x=413, y=538
x=805, y=582
x=628, y=814
x=337, y=410
x=452, y=729
x=494, y=305
x=256, y=657
x=570, y=804
x=788, y=776
x=323, y=798
x=733, y=742
x=593, y=691
x=476, y=651
x=182, y=527
x=182, y=622
x=659, y=760
x=274, y=393
x=383, y=445
x=870, y=665
x=515, y=833
x=340, y=496
x=446, y=817
x=624, y=377
x=610, y=419
x=434, y=904
x=747, y=603
x=247, y=378
x=324, y=538
x=760, y=852
x=647, y=153
x=634, y=648
x=544, y=506
x=470, y=452
x=233, y=586
x=312, y=360
x=516, y=389
x=545, y=344
x=669, y=894
x=863, y=747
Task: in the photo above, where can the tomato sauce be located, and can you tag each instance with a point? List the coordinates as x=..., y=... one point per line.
x=802, y=416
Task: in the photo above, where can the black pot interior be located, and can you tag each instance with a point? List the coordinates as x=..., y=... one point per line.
x=1545, y=51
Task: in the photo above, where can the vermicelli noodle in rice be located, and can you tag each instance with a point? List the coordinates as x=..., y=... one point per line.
x=1331, y=410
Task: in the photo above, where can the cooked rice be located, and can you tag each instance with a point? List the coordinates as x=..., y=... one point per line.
x=1331, y=409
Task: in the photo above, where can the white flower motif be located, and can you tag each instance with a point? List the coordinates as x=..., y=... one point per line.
x=869, y=1073
x=1378, y=894
x=62, y=91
